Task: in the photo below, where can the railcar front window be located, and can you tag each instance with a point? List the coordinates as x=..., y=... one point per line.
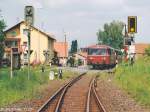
x=97, y=52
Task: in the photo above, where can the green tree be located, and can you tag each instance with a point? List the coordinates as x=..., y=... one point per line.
x=74, y=46
x=112, y=34
x=2, y=37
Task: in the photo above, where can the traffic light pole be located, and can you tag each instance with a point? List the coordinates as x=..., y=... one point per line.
x=29, y=54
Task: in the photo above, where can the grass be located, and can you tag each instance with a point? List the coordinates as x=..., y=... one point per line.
x=135, y=79
x=19, y=87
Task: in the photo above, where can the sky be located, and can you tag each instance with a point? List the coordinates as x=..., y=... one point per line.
x=80, y=19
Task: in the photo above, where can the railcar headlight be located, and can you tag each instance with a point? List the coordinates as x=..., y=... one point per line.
x=104, y=58
x=91, y=58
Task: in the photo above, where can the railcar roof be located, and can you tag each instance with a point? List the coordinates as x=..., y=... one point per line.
x=99, y=46
x=103, y=46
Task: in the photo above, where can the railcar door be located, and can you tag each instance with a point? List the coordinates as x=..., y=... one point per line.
x=112, y=56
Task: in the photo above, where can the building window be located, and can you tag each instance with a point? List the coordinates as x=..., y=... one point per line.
x=25, y=43
x=10, y=44
x=25, y=56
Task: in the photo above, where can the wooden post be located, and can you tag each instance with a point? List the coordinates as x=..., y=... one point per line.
x=11, y=72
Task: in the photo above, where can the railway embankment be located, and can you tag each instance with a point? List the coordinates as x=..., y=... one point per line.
x=136, y=79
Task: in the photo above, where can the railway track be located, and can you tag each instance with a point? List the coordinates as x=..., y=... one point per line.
x=75, y=96
x=54, y=103
x=93, y=102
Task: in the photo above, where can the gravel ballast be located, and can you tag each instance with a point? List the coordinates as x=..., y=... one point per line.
x=116, y=99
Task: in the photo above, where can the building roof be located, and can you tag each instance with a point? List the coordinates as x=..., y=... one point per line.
x=140, y=47
x=83, y=54
x=23, y=22
x=79, y=56
x=60, y=47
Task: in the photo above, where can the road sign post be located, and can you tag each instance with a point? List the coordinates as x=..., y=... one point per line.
x=29, y=18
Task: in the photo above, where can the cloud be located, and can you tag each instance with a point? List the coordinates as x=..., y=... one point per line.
x=137, y=3
x=108, y=2
x=57, y=3
x=61, y=3
x=81, y=18
x=36, y=3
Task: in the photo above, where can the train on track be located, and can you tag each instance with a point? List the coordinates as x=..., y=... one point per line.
x=102, y=56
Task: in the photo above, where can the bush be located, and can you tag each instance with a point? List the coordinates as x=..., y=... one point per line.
x=147, y=51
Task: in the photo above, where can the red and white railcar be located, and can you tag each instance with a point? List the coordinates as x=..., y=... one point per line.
x=100, y=56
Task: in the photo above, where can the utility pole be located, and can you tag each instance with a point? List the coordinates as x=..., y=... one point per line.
x=125, y=34
x=65, y=44
x=29, y=32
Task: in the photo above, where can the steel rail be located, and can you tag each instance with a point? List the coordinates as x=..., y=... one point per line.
x=93, y=90
x=59, y=104
x=99, y=103
x=88, y=97
x=59, y=91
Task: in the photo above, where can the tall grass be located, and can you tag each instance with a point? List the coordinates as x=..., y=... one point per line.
x=19, y=87
x=136, y=79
